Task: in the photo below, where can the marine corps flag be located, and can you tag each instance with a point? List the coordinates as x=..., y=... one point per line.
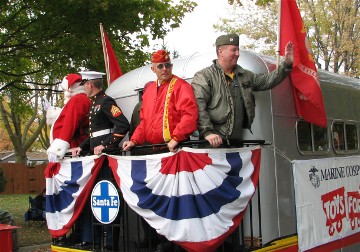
x=113, y=70
x=304, y=76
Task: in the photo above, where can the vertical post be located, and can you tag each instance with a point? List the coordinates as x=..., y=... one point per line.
x=278, y=34
x=105, y=53
x=259, y=210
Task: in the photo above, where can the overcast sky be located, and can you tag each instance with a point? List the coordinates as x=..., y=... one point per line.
x=196, y=34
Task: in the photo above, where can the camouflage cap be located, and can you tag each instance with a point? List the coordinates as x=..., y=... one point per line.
x=228, y=39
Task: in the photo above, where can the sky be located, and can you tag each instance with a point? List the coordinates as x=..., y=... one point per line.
x=196, y=33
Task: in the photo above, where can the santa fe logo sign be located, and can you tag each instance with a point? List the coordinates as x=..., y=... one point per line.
x=105, y=202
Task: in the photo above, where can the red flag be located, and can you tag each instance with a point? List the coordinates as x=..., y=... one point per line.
x=113, y=70
x=304, y=76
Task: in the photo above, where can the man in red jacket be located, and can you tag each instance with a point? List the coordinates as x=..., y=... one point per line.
x=169, y=111
x=71, y=127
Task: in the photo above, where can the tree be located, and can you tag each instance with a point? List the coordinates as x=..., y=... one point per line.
x=42, y=41
x=256, y=25
x=333, y=30
x=335, y=27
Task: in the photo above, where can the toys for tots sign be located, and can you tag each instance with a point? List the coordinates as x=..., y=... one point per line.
x=327, y=199
x=341, y=206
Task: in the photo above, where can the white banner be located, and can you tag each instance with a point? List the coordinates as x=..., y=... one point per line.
x=327, y=199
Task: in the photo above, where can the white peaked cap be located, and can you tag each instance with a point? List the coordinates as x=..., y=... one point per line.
x=91, y=75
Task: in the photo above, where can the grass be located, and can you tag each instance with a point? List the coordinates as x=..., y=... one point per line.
x=28, y=235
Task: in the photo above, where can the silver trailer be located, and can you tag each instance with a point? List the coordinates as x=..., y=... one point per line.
x=288, y=137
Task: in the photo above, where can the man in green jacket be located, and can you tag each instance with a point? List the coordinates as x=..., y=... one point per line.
x=224, y=91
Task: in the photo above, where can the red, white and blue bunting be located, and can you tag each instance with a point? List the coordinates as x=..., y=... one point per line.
x=195, y=197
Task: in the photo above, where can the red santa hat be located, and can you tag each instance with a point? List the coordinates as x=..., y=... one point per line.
x=70, y=80
x=160, y=56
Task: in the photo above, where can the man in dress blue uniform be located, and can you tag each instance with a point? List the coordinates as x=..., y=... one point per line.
x=107, y=127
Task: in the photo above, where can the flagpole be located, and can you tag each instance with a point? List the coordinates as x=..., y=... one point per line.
x=105, y=53
x=278, y=34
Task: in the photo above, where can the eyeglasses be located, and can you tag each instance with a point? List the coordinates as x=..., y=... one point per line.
x=161, y=66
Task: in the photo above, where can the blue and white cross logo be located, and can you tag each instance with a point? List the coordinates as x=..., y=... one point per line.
x=105, y=201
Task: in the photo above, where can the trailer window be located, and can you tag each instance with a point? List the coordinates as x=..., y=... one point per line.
x=338, y=137
x=304, y=136
x=351, y=137
x=345, y=138
x=311, y=138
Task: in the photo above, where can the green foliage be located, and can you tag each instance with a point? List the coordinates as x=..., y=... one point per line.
x=41, y=41
x=255, y=23
x=2, y=180
x=335, y=33
x=264, y=2
x=257, y=2
x=57, y=36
